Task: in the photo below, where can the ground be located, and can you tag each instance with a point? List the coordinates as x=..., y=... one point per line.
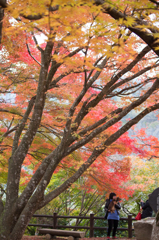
x=43, y=238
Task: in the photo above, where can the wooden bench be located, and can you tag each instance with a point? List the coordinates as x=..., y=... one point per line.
x=52, y=233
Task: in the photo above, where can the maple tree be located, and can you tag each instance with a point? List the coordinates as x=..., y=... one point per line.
x=144, y=178
x=64, y=102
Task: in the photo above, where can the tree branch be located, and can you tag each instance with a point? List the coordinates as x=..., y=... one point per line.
x=36, y=43
x=97, y=151
x=3, y=3
x=107, y=88
x=21, y=125
x=31, y=54
x=1, y=22
x=146, y=36
x=19, y=154
x=128, y=79
x=114, y=120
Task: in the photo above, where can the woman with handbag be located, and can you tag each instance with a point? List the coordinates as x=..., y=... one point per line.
x=147, y=210
x=112, y=215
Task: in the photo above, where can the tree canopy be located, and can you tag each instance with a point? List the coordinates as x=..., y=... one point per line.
x=65, y=100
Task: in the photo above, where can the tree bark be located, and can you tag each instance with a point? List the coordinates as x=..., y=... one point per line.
x=1, y=23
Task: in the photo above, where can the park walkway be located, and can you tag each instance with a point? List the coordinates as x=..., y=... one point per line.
x=43, y=238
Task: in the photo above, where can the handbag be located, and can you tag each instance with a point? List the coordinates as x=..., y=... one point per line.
x=138, y=216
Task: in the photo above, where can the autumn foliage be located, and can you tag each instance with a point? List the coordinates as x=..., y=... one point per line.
x=72, y=73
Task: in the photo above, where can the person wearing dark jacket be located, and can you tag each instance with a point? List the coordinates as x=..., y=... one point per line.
x=146, y=209
x=112, y=216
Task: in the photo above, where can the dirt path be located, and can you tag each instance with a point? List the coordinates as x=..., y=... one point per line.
x=43, y=238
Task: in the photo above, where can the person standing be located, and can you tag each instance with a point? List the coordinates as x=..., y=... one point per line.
x=113, y=216
x=146, y=209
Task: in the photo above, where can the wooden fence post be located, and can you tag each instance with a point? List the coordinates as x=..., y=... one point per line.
x=55, y=220
x=129, y=226
x=91, y=234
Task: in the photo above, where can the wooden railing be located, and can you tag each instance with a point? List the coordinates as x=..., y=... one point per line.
x=91, y=226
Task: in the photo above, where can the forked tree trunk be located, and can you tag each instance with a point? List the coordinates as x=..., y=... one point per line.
x=17, y=236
